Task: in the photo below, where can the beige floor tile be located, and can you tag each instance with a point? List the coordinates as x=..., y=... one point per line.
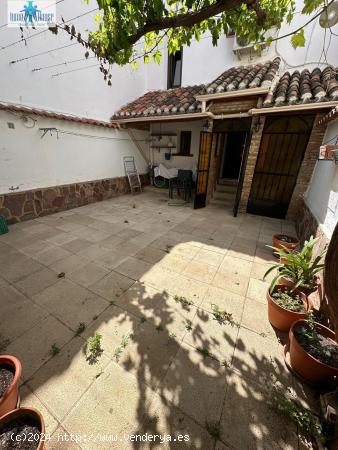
x=51, y=255
x=257, y=290
x=217, y=246
x=38, y=246
x=160, y=278
x=69, y=264
x=174, y=262
x=257, y=358
x=71, y=373
x=89, y=274
x=33, y=348
x=77, y=245
x=133, y=268
x=149, y=353
x=258, y=271
x=208, y=335
x=196, y=384
x=94, y=252
x=112, y=286
x=61, y=239
x=209, y=257
x=231, y=282
x=200, y=271
x=90, y=234
x=249, y=423
x=118, y=403
x=236, y=265
x=164, y=419
x=226, y=300
x=242, y=253
x=28, y=399
x=185, y=250
x=255, y=317
x=36, y=282
x=150, y=255
x=19, y=267
x=193, y=290
x=111, y=242
x=18, y=314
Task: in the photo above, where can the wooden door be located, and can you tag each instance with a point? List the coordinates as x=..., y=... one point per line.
x=281, y=153
x=204, y=159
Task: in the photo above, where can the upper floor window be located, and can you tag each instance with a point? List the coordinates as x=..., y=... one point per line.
x=175, y=69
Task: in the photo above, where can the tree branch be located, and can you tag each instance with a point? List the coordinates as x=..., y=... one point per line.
x=190, y=19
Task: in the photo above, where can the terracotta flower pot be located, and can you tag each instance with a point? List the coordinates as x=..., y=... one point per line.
x=278, y=243
x=32, y=414
x=9, y=400
x=282, y=318
x=308, y=367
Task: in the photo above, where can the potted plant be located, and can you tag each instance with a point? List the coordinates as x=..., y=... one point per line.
x=299, y=269
x=313, y=351
x=10, y=374
x=22, y=426
x=286, y=306
x=285, y=241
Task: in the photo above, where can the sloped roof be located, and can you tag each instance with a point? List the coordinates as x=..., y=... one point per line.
x=244, y=77
x=172, y=101
x=54, y=115
x=304, y=87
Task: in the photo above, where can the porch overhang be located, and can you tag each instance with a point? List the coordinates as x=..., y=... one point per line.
x=293, y=108
x=232, y=94
x=168, y=118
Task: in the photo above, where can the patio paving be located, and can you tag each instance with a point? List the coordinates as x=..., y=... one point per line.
x=142, y=272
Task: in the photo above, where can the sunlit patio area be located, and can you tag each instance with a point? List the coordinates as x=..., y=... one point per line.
x=187, y=351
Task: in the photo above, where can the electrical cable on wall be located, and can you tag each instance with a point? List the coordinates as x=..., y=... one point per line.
x=92, y=136
x=61, y=64
x=43, y=53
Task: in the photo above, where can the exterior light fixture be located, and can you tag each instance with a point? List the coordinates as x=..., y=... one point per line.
x=329, y=17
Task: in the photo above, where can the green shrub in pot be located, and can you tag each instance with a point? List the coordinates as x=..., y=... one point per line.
x=299, y=268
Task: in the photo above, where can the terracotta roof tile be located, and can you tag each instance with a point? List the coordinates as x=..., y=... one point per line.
x=304, y=87
x=244, y=77
x=172, y=101
x=55, y=115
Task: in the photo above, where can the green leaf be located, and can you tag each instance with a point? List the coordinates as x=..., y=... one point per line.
x=298, y=39
x=146, y=59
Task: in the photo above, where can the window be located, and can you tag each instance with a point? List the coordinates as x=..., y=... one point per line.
x=185, y=142
x=175, y=69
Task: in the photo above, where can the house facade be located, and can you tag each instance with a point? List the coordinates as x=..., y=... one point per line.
x=248, y=123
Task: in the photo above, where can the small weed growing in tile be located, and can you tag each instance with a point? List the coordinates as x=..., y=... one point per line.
x=172, y=335
x=225, y=363
x=188, y=325
x=119, y=350
x=183, y=300
x=283, y=403
x=159, y=328
x=214, y=429
x=126, y=221
x=168, y=248
x=93, y=348
x=95, y=317
x=61, y=275
x=223, y=317
x=4, y=343
x=112, y=302
x=264, y=335
x=80, y=329
x=143, y=319
x=134, y=206
x=54, y=350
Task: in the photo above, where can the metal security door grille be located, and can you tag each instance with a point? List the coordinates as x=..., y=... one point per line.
x=203, y=169
x=281, y=153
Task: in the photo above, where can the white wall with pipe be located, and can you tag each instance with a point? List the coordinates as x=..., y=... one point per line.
x=322, y=195
x=28, y=161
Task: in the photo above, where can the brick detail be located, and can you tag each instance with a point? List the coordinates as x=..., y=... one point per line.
x=251, y=164
x=307, y=167
x=21, y=206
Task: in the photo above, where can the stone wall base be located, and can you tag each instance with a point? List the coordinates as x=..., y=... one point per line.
x=20, y=206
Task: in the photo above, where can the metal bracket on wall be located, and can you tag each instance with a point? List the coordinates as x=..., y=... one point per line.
x=51, y=130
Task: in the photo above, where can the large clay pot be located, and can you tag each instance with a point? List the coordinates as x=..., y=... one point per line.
x=30, y=412
x=9, y=400
x=308, y=367
x=282, y=244
x=282, y=318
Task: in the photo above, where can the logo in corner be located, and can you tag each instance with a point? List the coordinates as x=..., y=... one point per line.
x=32, y=13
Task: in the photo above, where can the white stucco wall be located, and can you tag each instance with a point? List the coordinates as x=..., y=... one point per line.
x=322, y=195
x=181, y=162
x=29, y=162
